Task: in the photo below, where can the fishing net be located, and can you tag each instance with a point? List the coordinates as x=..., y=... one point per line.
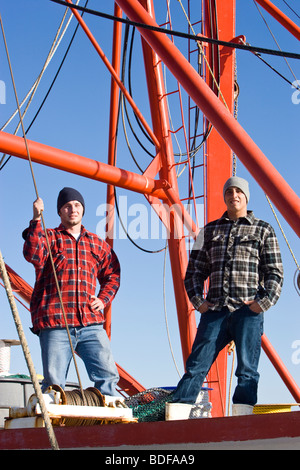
x=150, y=404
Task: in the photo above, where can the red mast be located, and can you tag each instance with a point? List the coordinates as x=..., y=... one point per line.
x=219, y=75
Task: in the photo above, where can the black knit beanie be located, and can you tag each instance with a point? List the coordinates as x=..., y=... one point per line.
x=67, y=195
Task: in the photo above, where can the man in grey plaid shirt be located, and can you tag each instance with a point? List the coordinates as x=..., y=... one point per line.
x=240, y=255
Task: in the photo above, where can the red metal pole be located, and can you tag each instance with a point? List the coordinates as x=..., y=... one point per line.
x=219, y=23
x=113, y=121
x=283, y=19
x=72, y=163
x=177, y=248
x=187, y=220
x=284, y=198
x=112, y=144
x=83, y=166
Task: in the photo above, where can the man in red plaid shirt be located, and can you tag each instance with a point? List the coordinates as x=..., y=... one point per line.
x=81, y=259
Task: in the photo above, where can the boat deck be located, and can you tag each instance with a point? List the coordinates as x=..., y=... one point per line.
x=275, y=431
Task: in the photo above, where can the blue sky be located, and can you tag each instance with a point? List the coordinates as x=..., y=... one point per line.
x=75, y=118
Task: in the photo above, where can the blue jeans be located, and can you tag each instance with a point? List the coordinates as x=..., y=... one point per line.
x=216, y=329
x=92, y=345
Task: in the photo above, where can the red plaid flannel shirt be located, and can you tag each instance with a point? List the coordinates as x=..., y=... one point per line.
x=78, y=264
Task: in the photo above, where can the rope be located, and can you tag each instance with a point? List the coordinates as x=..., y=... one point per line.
x=274, y=38
x=291, y=8
x=26, y=351
x=42, y=217
x=283, y=234
x=166, y=316
x=230, y=381
x=33, y=89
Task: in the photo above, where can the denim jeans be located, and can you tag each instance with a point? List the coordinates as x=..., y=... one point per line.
x=92, y=345
x=216, y=329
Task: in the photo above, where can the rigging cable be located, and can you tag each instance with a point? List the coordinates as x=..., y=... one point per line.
x=125, y=43
x=34, y=87
x=165, y=312
x=115, y=192
x=276, y=42
x=130, y=89
x=180, y=34
x=124, y=107
x=42, y=216
x=291, y=8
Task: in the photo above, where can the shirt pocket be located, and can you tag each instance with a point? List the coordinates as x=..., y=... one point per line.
x=59, y=263
x=248, y=247
x=93, y=261
x=93, y=267
x=216, y=247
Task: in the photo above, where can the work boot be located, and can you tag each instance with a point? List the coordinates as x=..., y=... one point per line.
x=177, y=411
x=239, y=409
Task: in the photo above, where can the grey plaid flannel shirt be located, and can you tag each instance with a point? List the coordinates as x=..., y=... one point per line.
x=242, y=261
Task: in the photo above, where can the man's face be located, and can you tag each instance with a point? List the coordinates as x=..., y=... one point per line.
x=235, y=200
x=71, y=214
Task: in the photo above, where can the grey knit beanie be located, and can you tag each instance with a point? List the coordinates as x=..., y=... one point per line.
x=238, y=183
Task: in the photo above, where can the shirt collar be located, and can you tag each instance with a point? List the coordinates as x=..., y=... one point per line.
x=249, y=217
x=61, y=228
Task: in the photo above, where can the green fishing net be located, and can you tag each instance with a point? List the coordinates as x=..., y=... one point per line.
x=150, y=404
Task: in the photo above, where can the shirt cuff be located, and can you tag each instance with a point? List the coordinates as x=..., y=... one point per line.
x=197, y=301
x=264, y=303
x=32, y=224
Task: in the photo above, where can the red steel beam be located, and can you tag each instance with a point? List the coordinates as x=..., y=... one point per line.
x=88, y=168
x=270, y=180
x=113, y=120
x=176, y=242
x=112, y=143
x=83, y=166
x=283, y=19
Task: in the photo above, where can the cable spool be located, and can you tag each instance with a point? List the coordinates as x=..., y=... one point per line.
x=92, y=397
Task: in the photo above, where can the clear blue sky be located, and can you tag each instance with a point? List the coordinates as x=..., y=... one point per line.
x=75, y=118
